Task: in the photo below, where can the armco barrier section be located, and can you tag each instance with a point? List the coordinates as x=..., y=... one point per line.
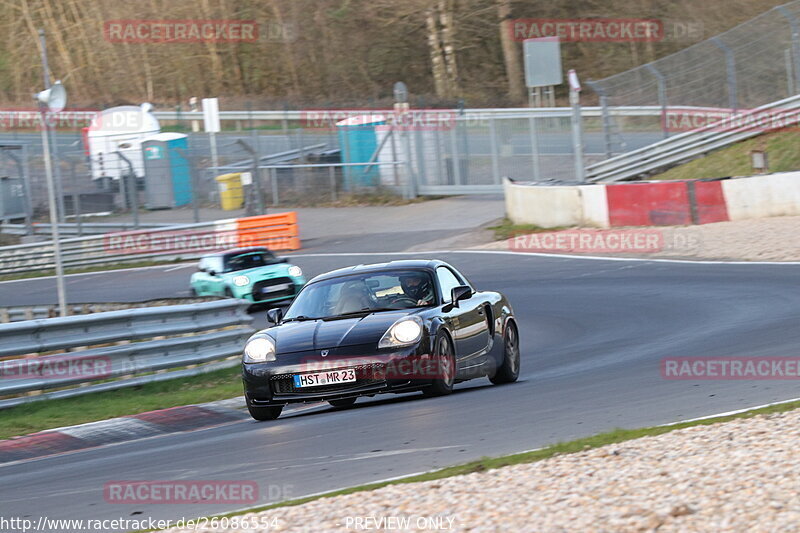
x=218, y=330
x=654, y=203
x=278, y=232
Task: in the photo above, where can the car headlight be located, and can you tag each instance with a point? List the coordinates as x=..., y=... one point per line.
x=295, y=271
x=404, y=332
x=259, y=350
x=241, y=281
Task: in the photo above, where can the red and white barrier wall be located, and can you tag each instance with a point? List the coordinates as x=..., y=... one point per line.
x=654, y=203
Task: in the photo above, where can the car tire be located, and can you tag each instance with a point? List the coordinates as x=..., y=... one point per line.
x=193, y=292
x=445, y=365
x=508, y=372
x=342, y=402
x=228, y=292
x=271, y=412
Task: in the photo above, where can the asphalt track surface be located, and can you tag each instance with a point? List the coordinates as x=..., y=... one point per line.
x=593, y=334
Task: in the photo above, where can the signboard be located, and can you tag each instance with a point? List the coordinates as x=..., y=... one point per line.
x=543, y=62
x=211, y=115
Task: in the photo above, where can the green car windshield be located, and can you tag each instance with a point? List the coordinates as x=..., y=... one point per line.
x=246, y=261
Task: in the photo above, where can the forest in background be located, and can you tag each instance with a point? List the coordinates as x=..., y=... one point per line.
x=327, y=52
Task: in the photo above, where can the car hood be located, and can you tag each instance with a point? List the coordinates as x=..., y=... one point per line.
x=325, y=334
x=276, y=269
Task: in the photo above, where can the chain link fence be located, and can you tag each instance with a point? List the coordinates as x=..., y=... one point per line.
x=753, y=64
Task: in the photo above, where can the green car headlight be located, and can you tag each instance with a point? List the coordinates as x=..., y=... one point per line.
x=295, y=271
x=241, y=281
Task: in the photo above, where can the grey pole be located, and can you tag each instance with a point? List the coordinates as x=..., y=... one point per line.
x=534, y=148
x=493, y=147
x=54, y=227
x=795, y=44
x=131, y=188
x=730, y=64
x=606, y=120
x=662, y=96
x=577, y=135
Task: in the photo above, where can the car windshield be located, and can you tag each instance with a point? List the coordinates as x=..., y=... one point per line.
x=363, y=293
x=249, y=260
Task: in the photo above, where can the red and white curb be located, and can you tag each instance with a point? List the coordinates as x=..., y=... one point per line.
x=122, y=429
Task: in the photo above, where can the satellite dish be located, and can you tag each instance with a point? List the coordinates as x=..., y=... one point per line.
x=55, y=98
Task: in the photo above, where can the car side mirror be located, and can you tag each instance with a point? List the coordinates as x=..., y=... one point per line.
x=211, y=273
x=274, y=315
x=462, y=292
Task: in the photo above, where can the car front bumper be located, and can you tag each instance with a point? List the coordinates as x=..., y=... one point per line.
x=253, y=292
x=396, y=371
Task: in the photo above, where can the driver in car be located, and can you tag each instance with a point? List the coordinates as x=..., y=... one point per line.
x=417, y=286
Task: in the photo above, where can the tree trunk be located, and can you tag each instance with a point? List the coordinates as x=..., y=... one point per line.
x=516, y=88
x=437, y=60
x=448, y=46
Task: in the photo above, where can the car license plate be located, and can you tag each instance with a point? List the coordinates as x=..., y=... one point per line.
x=274, y=288
x=324, y=378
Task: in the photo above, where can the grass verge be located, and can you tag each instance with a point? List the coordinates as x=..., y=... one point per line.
x=48, y=414
x=507, y=229
x=485, y=464
x=781, y=148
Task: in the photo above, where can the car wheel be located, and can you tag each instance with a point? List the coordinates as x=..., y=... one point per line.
x=228, y=292
x=265, y=413
x=193, y=292
x=343, y=402
x=509, y=369
x=444, y=365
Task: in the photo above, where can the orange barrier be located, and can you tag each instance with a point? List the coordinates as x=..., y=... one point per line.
x=276, y=232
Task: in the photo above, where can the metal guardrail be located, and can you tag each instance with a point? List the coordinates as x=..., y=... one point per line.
x=33, y=312
x=154, y=339
x=468, y=114
x=688, y=145
x=70, y=228
x=187, y=241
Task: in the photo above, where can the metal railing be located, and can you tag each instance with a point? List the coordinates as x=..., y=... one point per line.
x=154, y=344
x=685, y=146
x=187, y=241
x=70, y=228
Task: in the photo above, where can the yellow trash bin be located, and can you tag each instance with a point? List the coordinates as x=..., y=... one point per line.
x=230, y=191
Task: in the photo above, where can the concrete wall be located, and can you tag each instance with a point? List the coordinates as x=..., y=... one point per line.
x=654, y=203
x=771, y=195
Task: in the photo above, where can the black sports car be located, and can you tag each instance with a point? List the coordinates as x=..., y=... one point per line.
x=392, y=327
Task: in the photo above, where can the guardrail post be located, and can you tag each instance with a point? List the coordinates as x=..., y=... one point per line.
x=730, y=65
x=606, y=119
x=662, y=96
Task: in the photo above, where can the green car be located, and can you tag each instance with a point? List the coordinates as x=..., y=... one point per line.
x=253, y=274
